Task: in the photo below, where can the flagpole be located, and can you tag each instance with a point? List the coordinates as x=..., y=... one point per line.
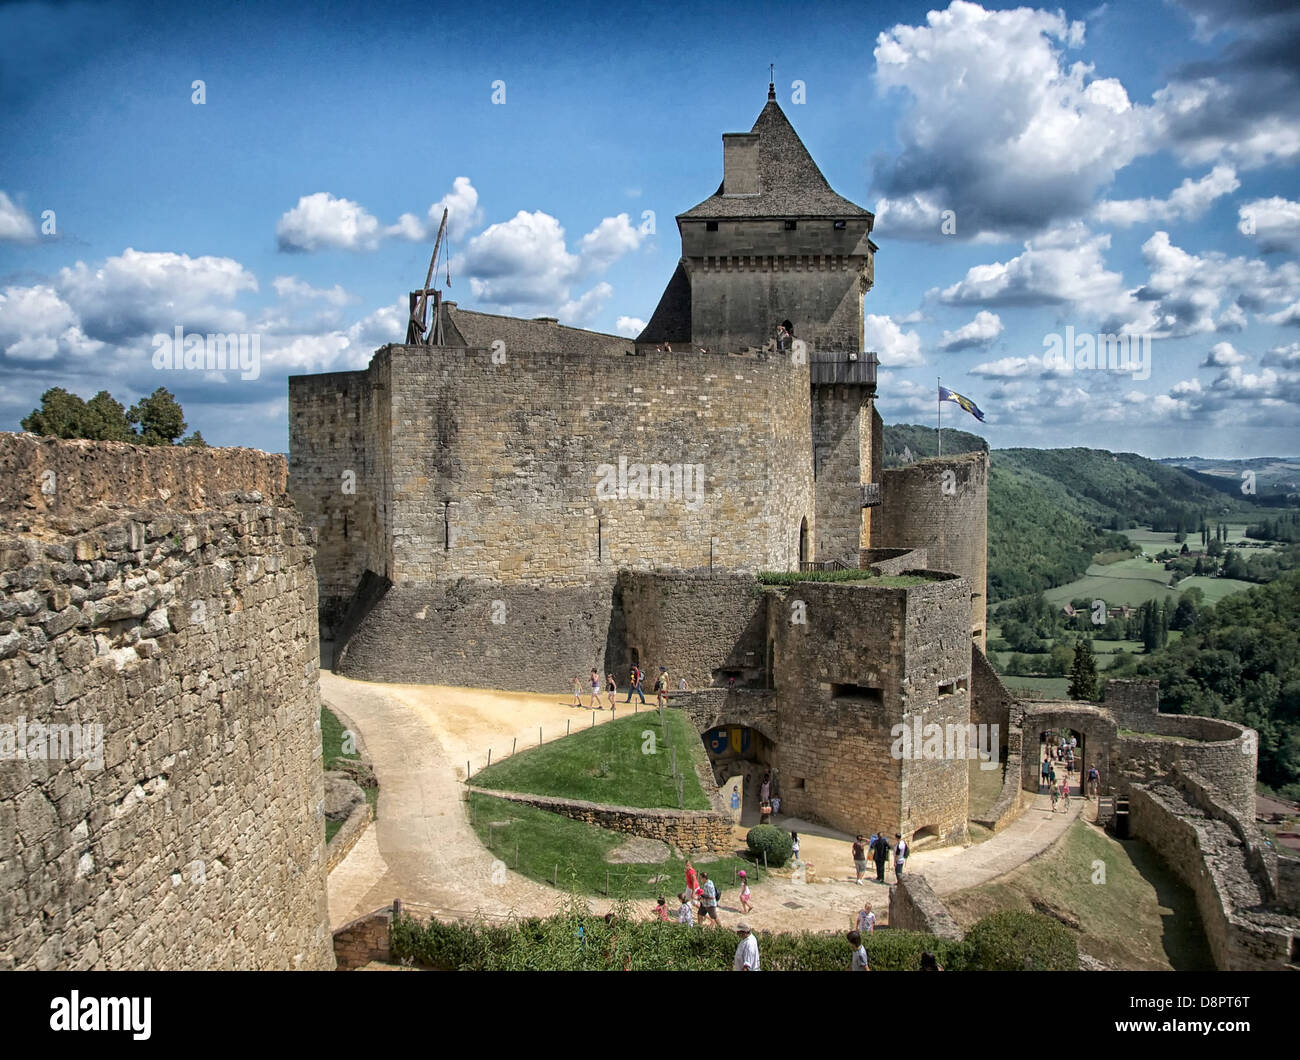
x=939, y=404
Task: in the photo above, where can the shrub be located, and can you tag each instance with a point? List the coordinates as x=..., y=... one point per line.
x=1013, y=941
x=772, y=841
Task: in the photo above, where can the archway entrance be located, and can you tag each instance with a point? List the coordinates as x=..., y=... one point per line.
x=1061, y=754
x=739, y=750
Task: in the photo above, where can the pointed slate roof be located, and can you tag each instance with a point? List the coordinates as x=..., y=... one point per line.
x=791, y=183
x=671, y=320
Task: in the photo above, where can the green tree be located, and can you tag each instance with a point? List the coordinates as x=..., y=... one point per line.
x=160, y=418
x=105, y=420
x=195, y=440
x=1083, y=673
x=61, y=415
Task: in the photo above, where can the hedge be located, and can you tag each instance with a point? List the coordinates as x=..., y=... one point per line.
x=576, y=941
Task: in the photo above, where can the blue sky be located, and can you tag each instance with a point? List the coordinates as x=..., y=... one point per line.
x=1126, y=168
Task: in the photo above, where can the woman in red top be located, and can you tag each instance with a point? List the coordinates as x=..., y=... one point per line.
x=691, y=882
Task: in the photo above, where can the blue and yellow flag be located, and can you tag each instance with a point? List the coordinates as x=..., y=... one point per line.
x=951, y=395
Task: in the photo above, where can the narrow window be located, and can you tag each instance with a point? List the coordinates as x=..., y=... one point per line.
x=791, y=226
x=840, y=226
x=710, y=226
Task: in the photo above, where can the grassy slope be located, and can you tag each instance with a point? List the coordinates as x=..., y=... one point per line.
x=607, y=764
x=546, y=847
x=1140, y=917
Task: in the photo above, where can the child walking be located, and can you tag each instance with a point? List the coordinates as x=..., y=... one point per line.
x=745, y=903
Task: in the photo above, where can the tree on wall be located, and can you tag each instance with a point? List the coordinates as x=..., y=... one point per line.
x=104, y=419
x=1083, y=672
x=160, y=418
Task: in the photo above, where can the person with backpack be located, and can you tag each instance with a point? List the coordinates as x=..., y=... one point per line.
x=661, y=688
x=634, y=685
x=1094, y=781
x=901, y=850
x=880, y=851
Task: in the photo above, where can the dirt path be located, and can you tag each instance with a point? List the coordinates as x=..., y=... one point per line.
x=423, y=850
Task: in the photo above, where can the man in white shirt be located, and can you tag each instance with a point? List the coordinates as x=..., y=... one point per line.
x=747, y=952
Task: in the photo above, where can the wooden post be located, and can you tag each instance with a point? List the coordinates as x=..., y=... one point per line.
x=593, y=719
x=607, y=883
x=555, y=876
x=516, y=855
x=566, y=726
x=489, y=756
x=613, y=712
x=467, y=770
x=539, y=736
x=514, y=745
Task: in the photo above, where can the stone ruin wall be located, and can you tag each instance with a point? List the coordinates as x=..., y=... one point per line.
x=167, y=595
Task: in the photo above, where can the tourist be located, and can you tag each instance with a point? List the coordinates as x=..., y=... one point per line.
x=595, y=690
x=901, y=851
x=866, y=919
x=692, y=880
x=1046, y=771
x=731, y=683
x=794, y=845
x=611, y=687
x=1094, y=781
x=881, y=851
x=765, y=788
x=1065, y=794
x=745, y=904
x=685, y=914
x=929, y=963
x=709, y=901
x=577, y=692
x=747, y=952
x=1055, y=795
x=661, y=687
x=776, y=805
x=859, y=860
x=661, y=910
x=782, y=337
x=681, y=686
x=859, y=953
x=634, y=685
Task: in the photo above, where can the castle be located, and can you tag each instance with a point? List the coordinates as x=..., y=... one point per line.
x=507, y=509
x=526, y=500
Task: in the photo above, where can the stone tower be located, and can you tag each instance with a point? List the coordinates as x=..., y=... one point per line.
x=776, y=245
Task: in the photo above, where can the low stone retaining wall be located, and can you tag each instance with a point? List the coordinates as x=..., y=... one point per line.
x=346, y=837
x=689, y=830
x=913, y=906
x=363, y=940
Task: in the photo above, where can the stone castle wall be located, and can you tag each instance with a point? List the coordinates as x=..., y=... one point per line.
x=842, y=455
x=494, y=469
x=336, y=467
x=841, y=694
x=701, y=627
x=947, y=515
x=168, y=597
x=517, y=637
x=1216, y=853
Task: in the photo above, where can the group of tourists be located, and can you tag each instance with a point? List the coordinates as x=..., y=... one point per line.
x=635, y=680
x=877, y=848
x=1057, y=766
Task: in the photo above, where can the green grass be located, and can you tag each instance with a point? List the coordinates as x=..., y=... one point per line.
x=608, y=763
x=331, y=740
x=545, y=847
x=1136, y=916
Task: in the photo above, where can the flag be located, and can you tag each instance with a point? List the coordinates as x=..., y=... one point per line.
x=951, y=395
